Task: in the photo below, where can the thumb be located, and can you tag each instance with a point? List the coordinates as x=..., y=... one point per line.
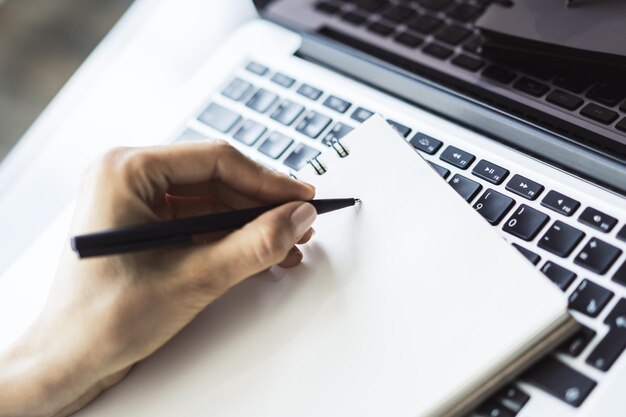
x=259, y=245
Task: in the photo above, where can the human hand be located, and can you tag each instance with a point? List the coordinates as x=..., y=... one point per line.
x=104, y=315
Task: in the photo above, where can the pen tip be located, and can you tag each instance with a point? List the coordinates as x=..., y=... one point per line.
x=357, y=201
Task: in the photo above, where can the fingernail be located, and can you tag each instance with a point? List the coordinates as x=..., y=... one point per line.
x=302, y=218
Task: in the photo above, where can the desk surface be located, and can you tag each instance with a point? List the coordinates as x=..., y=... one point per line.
x=142, y=62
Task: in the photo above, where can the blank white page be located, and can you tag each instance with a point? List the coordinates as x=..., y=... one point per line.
x=400, y=307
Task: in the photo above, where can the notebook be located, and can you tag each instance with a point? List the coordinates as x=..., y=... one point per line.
x=395, y=311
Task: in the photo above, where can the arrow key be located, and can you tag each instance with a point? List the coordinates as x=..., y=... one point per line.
x=524, y=187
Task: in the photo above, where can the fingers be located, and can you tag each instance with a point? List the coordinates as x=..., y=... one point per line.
x=293, y=258
x=267, y=241
x=156, y=170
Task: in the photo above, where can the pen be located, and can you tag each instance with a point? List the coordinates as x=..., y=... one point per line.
x=179, y=232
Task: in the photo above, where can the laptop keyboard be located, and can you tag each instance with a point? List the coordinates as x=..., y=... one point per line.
x=286, y=123
x=444, y=29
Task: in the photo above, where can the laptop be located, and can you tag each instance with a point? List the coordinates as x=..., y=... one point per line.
x=540, y=156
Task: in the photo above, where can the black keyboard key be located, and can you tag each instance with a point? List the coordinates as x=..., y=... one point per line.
x=532, y=87
x=435, y=5
x=620, y=275
x=336, y=133
x=361, y=114
x=490, y=172
x=300, y=156
x=262, y=100
x=560, y=381
x=499, y=74
x=249, y=132
x=512, y=398
x=380, y=29
x=560, y=203
x=464, y=12
x=468, y=62
x=616, y=319
x=287, y=112
x=526, y=222
x=575, y=83
x=473, y=45
x=597, y=219
x=589, y=298
x=599, y=113
x=256, y=68
x=337, y=104
x=560, y=276
x=219, y=118
x=621, y=235
x=400, y=128
x=565, y=100
x=398, y=13
x=575, y=345
x=561, y=239
x=465, y=187
x=608, y=350
x=371, y=5
x=283, y=80
x=528, y=254
x=492, y=408
x=453, y=34
x=524, y=187
x=354, y=18
x=275, y=145
x=437, y=51
x=309, y=92
x=597, y=256
x=444, y=173
x=457, y=157
x=426, y=143
x=237, y=89
x=621, y=125
x=609, y=93
x=327, y=8
x=493, y=206
x=313, y=124
x=409, y=40
x=425, y=24
x=622, y=107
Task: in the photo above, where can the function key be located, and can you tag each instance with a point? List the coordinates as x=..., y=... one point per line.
x=598, y=220
x=444, y=173
x=532, y=87
x=336, y=133
x=425, y=24
x=326, y=8
x=565, y=100
x=609, y=349
x=457, y=157
x=256, y=68
x=576, y=83
x=287, y=112
x=597, y=256
x=370, y=5
x=435, y=5
x=490, y=172
x=493, y=206
x=237, y=89
x=561, y=239
x=400, y=128
x=453, y=34
x=313, y=124
x=262, y=100
x=560, y=203
x=338, y=104
x=283, y=80
x=560, y=276
x=599, y=113
x=426, y=143
x=561, y=381
x=437, y=51
x=524, y=187
x=589, y=298
x=609, y=93
x=309, y=92
x=249, y=132
x=526, y=222
x=408, y=40
x=621, y=235
x=499, y=74
x=467, y=62
x=219, y=118
x=275, y=145
x=398, y=13
x=465, y=187
x=464, y=12
x=620, y=275
x=361, y=114
x=354, y=18
x=528, y=254
x=577, y=343
x=300, y=156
